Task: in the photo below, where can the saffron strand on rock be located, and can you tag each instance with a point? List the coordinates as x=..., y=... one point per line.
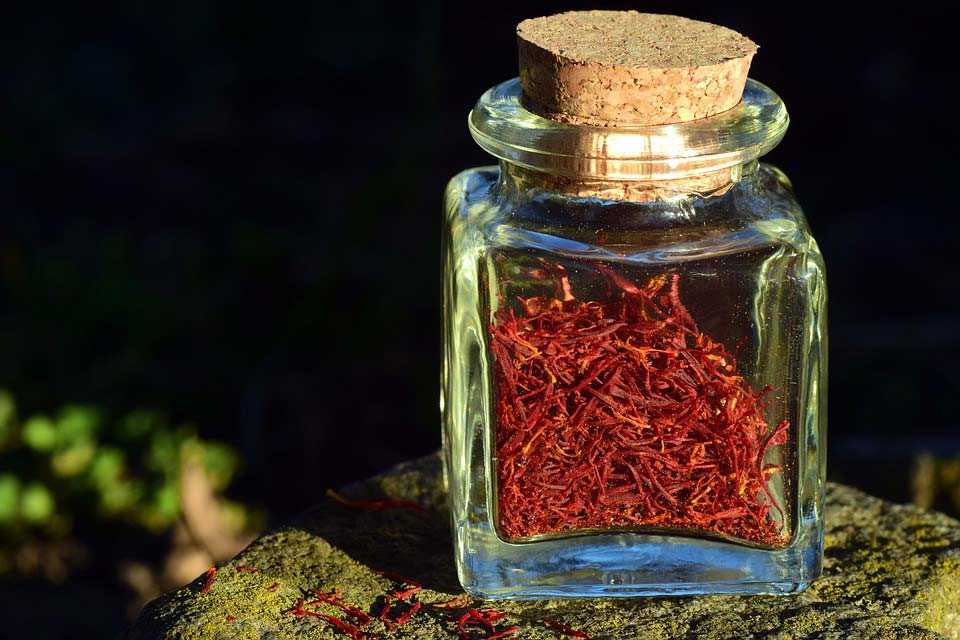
x=457, y=602
x=376, y=505
x=301, y=610
x=404, y=617
x=345, y=627
x=208, y=580
x=396, y=577
x=384, y=615
x=334, y=599
x=406, y=594
x=565, y=629
x=485, y=619
x=402, y=596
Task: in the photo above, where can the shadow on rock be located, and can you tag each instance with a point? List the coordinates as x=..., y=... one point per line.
x=396, y=541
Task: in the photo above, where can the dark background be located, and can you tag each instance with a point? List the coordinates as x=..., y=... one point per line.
x=231, y=212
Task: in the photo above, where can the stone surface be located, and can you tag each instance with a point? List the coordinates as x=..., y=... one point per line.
x=891, y=571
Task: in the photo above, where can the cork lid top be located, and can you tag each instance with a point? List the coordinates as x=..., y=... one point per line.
x=634, y=39
x=623, y=68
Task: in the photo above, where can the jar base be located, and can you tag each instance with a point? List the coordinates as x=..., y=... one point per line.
x=644, y=591
x=632, y=565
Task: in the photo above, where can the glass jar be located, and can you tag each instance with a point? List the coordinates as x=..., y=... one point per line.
x=633, y=385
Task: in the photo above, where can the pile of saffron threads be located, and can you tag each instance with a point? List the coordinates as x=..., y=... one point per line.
x=622, y=414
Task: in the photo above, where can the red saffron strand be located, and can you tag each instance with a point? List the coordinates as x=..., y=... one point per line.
x=457, y=602
x=345, y=627
x=334, y=599
x=208, y=581
x=247, y=569
x=403, y=595
x=406, y=594
x=465, y=619
x=405, y=617
x=376, y=505
x=300, y=611
x=486, y=619
x=396, y=577
x=384, y=615
x=623, y=414
x=565, y=629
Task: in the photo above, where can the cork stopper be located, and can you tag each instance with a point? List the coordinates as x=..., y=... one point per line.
x=625, y=68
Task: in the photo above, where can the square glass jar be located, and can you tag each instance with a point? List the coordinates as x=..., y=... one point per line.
x=633, y=384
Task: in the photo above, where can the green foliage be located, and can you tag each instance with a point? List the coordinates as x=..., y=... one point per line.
x=8, y=414
x=36, y=503
x=80, y=465
x=40, y=434
x=9, y=498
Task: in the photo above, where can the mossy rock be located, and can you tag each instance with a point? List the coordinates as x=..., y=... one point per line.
x=890, y=571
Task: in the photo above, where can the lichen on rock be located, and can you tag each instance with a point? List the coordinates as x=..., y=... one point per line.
x=890, y=571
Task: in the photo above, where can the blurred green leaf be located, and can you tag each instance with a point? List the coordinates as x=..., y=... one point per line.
x=81, y=466
x=167, y=501
x=220, y=462
x=138, y=425
x=40, y=434
x=36, y=503
x=162, y=509
x=108, y=465
x=73, y=460
x=120, y=496
x=9, y=495
x=8, y=415
x=77, y=424
x=164, y=453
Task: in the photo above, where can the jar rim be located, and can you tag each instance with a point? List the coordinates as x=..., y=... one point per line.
x=504, y=128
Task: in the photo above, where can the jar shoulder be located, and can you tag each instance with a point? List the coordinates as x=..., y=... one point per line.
x=469, y=194
x=760, y=211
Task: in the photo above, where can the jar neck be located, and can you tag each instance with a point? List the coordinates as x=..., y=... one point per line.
x=516, y=180
x=701, y=157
